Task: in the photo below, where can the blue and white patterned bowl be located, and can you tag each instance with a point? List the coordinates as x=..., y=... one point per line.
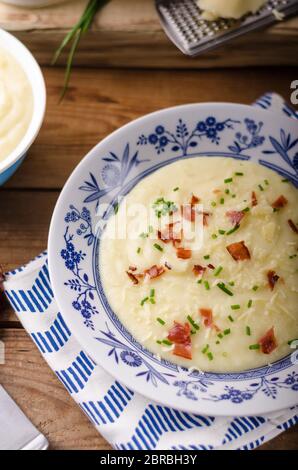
x=113, y=167
x=12, y=162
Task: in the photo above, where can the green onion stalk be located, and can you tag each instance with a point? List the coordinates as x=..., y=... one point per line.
x=73, y=38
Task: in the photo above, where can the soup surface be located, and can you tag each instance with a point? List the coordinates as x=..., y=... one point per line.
x=16, y=103
x=200, y=264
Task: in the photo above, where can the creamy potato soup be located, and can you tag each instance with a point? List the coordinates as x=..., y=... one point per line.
x=200, y=264
x=229, y=8
x=16, y=103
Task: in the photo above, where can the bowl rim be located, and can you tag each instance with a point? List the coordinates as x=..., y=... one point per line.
x=34, y=74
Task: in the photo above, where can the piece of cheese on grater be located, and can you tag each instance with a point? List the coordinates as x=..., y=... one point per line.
x=213, y=9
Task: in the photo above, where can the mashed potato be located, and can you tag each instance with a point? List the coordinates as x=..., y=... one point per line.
x=229, y=8
x=209, y=278
x=16, y=103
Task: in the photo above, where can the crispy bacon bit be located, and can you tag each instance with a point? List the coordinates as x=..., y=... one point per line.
x=169, y=235
x=132, y=277
x=291, y=224
x=268, y=342
x=216, y=191
x=198, y=270
x=254, y=201
x=210, y=266
x=154, y=271
x=235, y=216
x=179, y=334
x=183, y=253
x=132, y=268
x=194, y=200
x=207, y=315
x=238, y=251
x=280, y=202
x=205, y=218
x=272, y=279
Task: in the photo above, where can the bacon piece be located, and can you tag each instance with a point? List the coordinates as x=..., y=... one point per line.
x=272, y=279
x=205, y=218
x=280, y=202
x=169, y=235
x=268, y=342
x=154, y=271
x=188, y=211
x=210, y=266
x=293, y=226
x=198, y=270
x=179, y=334
x=207, y=315
x=183, y=253
x=132, y=268
x=254, y=201
x=235, y=216
x=238, y=251
x=132, y=277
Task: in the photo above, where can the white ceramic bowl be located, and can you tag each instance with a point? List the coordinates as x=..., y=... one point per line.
x=10, y=164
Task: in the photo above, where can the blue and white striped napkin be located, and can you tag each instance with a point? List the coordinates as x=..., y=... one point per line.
x=126, y=419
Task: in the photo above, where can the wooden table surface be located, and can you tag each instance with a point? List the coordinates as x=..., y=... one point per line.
x=98, y=102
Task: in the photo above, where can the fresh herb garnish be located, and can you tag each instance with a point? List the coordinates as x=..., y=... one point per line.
x=158, y=247
x=239, y=173
x=193, y=323
x=167, y=342
x=223, y=287
x=231, y=318
x=139, y=250
x=205, y=349
x=222, y=201
x=163, y=207
x=249, y=303
x=255, y=288
x=210, y=356
x=260, y=187
x=233, y=229
x=221, y=232
x=248, y=331
x=220, y=335
x=218, y=270
x=227, y=331
x=214, y=236
x=176, y=189
x=161, y=321
x=213, y=203
x=207, y=257
x=235, y=307
x=144, y=300
x=206, y=284
x=227, y=191
x=285, y=180
x=254, y=346
x=246, y=209
x=228, y=180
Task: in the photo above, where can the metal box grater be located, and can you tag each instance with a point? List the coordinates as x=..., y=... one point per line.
x=193, y=35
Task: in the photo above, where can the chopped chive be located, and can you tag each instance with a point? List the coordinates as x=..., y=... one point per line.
x=176, y=189
x=231, y=283
x=199, y=281
x=213, y=203
x=266, y=182
x=285, y=180
x=292, y=341
x=221, y=232
x=143, y=235
x=214, y=236
x=275, y=209
x=233, y=195
x=192, y=332
x=228, y=180
x=206, y=284
x=254, y=346
x=248, y=331
x=161, y=321
x=152, y=300
x=247, y=209
x=223, y=287
x=293, y=256
x=231, y=318
x=206, y=256
x=167, y=342
x=220, y=335
x=193, y=323
x=139, y=250
x=218, y=270
x=249, y=303
x=158, y=247
x=152, y=292
x=239, y=173
x=144, y=300
x=227, y=331
x=255, y=288
x=227, y=191
x=158, y=341
x=235, y=307
x=205, y=349
x=233, y=229
x=260, y=187
x=222, y=201
x=210, y=356
x=217, y=342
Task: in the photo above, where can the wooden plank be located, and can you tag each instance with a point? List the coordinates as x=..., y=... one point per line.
x=128, y=34
x=45, y=401
x=100, y=101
